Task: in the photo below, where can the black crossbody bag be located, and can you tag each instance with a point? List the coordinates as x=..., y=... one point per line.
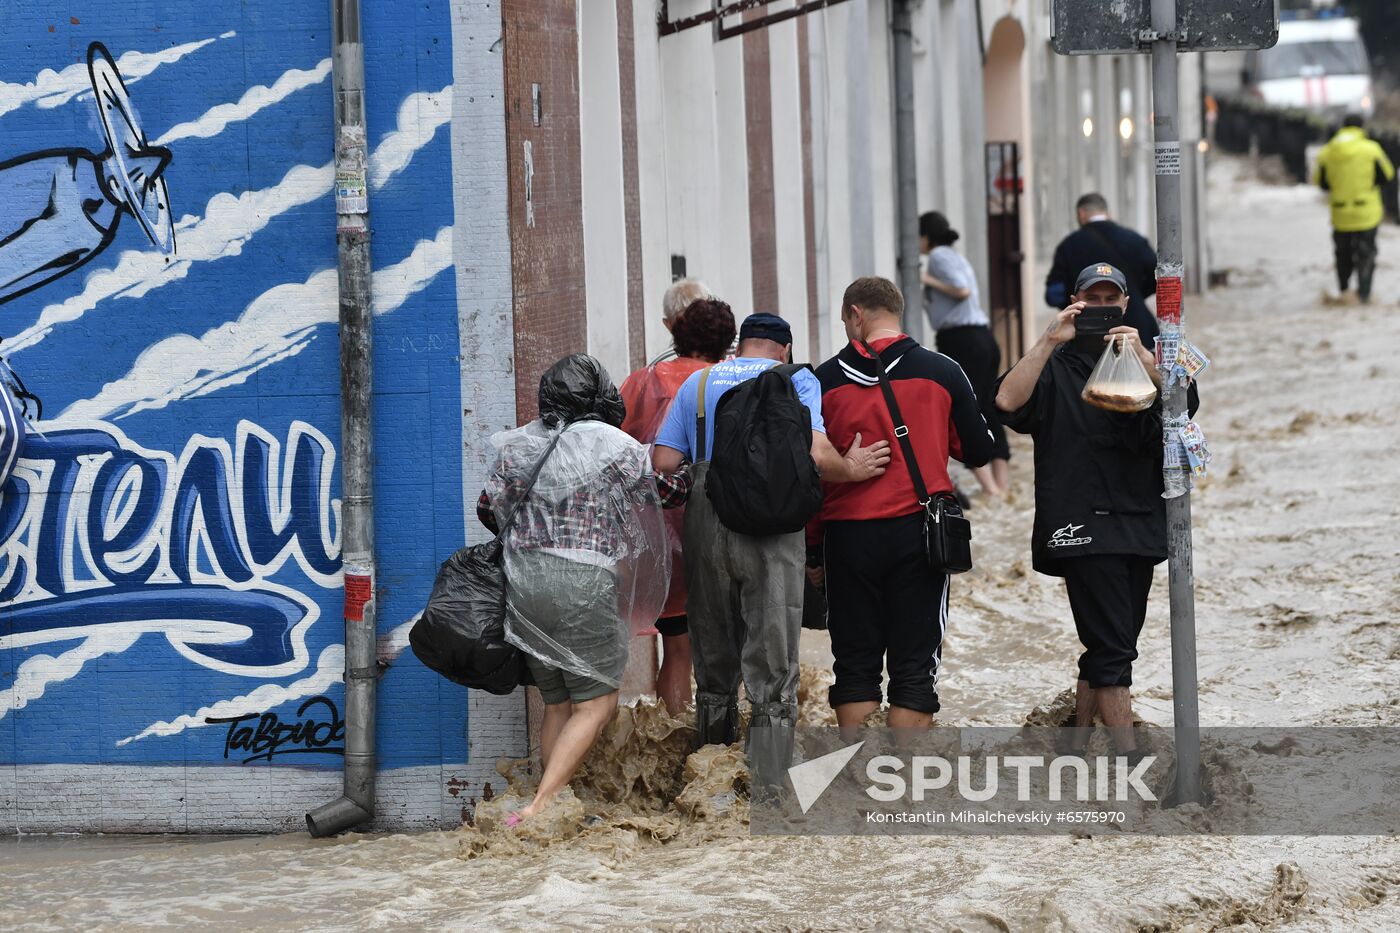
x=947, y=533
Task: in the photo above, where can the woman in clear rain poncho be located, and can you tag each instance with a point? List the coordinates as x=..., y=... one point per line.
x=587, y=560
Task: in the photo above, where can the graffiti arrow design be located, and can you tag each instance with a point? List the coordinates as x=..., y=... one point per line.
x=232, y=628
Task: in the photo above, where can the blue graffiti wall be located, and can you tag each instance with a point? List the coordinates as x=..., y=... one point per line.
x=170, y=585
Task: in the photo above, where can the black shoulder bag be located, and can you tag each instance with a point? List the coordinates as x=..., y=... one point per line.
x=947, y=533
x=462, y=632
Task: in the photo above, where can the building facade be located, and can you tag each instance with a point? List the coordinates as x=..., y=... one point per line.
x=171, y=600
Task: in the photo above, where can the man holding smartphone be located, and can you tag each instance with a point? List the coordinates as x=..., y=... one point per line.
x=1100, y=520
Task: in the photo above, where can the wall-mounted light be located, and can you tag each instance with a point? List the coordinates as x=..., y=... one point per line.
x=1125, y=128
x=1203, y=146
x=1088, y=127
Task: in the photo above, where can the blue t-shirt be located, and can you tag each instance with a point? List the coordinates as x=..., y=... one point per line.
x=678, y=430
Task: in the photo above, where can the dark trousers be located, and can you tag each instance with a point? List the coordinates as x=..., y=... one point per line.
x=744, y=602
x=1108, y=596
x=885, y=608
x=976, y=351
x=1355, y=251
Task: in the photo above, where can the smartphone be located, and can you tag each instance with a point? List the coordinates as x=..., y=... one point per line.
x=1093, y=324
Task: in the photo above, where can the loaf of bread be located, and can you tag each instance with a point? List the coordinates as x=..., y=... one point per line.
x=1120, y=397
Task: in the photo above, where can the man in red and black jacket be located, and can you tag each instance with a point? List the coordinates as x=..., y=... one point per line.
x=884, y=605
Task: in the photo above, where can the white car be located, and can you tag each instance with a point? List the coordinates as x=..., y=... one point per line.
x=1319, y=65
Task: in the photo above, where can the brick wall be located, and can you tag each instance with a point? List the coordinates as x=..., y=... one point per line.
x=482, y=255
x=758, y=110
x=546, y=191
x=632, y=197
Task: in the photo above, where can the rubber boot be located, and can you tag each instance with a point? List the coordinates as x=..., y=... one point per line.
x=772, y=734
x=716, y=719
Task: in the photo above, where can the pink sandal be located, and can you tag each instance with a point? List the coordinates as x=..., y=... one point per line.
x=513, y=820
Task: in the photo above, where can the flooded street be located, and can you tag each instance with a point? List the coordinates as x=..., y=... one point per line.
x=1298, y=576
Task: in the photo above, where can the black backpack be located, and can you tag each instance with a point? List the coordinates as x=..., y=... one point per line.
x=762, y=480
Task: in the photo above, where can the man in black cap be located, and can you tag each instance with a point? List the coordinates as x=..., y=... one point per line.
x=1100, y=520
x=745, y=592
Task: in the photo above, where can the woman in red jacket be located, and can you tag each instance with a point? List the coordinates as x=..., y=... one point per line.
x=703, y=334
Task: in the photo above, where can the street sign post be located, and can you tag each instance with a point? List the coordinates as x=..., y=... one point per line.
x=1166, y=27
x=1108, y=27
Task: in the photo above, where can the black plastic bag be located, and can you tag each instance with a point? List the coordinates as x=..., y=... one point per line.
x=578, y=388
x=461, y=633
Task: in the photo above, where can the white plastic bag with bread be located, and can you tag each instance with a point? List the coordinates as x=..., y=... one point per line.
x=1119, y=381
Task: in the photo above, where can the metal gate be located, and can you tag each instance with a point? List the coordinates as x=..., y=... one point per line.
x=1004, y=255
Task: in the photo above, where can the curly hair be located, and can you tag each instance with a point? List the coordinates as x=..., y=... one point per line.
x=705, y=329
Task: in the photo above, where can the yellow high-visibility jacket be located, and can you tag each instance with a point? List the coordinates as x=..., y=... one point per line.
x=1352, y=167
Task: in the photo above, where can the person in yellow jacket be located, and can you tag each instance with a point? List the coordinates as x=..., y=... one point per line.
x=1352, y=168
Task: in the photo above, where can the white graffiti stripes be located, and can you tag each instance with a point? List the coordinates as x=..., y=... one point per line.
x=330, y=669
x=276, y=325
x=54, y=88
x=420, y=116
x=256, y=98
x=229, y=222
x=36, y=673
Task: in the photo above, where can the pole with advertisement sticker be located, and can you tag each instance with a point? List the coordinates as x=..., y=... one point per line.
x=1166, y=27
x=1166, y=138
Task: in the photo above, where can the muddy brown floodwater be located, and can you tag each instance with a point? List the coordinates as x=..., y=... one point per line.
x=1297, y=584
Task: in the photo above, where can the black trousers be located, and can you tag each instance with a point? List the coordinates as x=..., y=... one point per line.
x=976, y=351
x=1108, y=596
x=1355, y=251
x=885, y=608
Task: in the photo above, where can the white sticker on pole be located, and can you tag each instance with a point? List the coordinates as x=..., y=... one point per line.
x=1168, y=160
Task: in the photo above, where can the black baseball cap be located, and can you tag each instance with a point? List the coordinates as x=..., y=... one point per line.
x=1101, y=272
x=765, y=326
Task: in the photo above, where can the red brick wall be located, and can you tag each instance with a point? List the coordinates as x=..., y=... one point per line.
x=541, y=47
x=809, y=200
x=758, y=104
x=631, y=187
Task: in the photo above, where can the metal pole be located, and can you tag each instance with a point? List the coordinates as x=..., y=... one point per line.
x=356, y=445
x=906, y=166
x=1167, y=164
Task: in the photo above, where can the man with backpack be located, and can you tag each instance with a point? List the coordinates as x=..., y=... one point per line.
x=887, y=606
x=753, y=428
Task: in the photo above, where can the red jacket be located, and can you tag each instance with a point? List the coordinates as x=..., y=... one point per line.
x=939, y=408
x=648, y=394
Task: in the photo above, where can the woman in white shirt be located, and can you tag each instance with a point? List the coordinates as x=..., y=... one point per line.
x=954, y=310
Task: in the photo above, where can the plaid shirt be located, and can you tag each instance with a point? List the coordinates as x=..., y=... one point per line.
x=590, y=521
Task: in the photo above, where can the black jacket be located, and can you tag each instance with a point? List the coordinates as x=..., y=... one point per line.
x=1106, y=241
x=1098, y=474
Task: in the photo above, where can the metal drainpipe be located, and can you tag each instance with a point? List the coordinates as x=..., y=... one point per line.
x=356, y=454
x=906, y=165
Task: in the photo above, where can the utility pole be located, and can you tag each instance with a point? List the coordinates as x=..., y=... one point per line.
x=906, y=165
x=1166, y=138
x=356, y=427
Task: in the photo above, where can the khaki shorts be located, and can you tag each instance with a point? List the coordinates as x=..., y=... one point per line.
x=561, y=686
x=571, y=609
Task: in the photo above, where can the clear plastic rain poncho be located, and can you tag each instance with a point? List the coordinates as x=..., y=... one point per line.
x=587, y=560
